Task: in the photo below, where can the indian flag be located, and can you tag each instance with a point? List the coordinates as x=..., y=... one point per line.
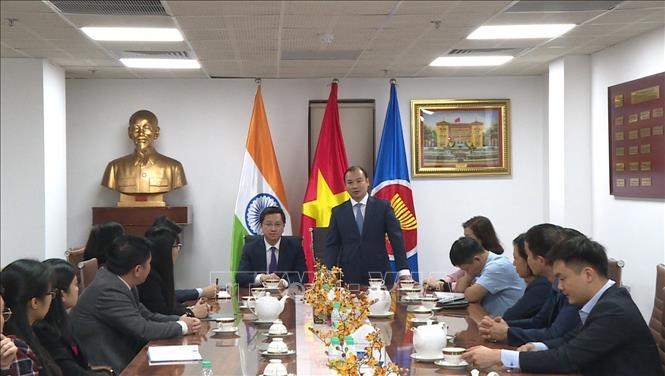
x=260, y=183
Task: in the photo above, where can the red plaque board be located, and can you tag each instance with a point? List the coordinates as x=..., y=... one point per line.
x=637, y=137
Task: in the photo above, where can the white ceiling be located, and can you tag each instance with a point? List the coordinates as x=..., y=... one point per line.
x=252, y=39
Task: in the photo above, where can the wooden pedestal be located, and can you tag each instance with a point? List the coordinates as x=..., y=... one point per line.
x=137, y=220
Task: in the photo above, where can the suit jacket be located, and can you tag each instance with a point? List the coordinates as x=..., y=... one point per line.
x=614, y=340
x=154, y=299
x=535, y=296
x=361, y=254
x=112, y=325
x=290, y=263
x=184, y=295
x=71, y=363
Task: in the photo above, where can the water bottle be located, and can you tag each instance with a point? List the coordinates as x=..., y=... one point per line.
x=334, y=351
x=335, y=316
x=206, y=368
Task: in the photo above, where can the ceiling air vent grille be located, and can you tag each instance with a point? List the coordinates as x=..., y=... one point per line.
x=112, y=7
x=158, y=54
x=484, y=51
x=540, y=6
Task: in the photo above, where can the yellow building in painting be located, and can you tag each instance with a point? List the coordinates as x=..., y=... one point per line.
x=466, y=133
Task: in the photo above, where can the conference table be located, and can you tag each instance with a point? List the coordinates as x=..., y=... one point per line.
x=240, y=353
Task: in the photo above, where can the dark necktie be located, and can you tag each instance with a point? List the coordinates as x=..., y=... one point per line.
x=359, y=217
x=273, y=261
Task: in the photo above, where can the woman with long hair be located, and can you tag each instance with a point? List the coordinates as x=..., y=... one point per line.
x=100, y=240
x=54, y=331
x=157, y=293
x=28, y=293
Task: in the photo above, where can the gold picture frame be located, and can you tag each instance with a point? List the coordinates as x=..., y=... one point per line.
x=460, y=137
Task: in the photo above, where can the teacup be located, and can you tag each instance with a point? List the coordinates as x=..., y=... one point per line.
x=271, y=283
x=277, y=346
x=375, y=282
x=225, y=323
x=275, y=368
x=258, y=292
x=453, y=355
x=249, y=301
x=421, y=313
x=429, y=302
x=277, y=327
x=407, y=284
x=412, y=295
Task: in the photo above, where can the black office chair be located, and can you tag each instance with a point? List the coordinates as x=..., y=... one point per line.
x=319, y=241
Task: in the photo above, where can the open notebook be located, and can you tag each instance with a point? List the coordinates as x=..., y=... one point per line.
x=158, y=355
x=447, y=297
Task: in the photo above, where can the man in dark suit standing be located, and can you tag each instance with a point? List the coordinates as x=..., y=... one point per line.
x=272, y=255
x=612, y=339
x=356, y=239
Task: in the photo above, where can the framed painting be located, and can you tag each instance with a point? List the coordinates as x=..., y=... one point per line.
x=465, y=137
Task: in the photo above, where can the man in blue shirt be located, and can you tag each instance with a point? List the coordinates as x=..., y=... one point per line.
x=489, y=278
x=612, y=338
x=557, y=316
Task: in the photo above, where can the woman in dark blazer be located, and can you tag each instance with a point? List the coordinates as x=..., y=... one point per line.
x=537, y=288
x=54, y=331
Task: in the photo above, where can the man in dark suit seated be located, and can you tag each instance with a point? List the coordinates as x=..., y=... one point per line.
x=272, y=255
x=356, y=239
x=613, y=338
x=109, y=321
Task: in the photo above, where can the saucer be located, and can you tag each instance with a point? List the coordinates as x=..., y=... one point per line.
x=271, y=354
x=415, y=320
x=231, y=330
x=411, y=289
x=242, y=306
x=381, y=315
x=422, y=358
x=279, y=335
x=443, y=363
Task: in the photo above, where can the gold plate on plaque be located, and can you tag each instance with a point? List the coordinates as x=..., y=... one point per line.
x=634, y=182
x=621, y=182
x=619, y=167
x=657, y=112
x=618, y=101
x=633, y=150
x=645, y=132
x=618, y=120
x=634, y=166
x=620, y=152
x=645, y=148
x=657, y=131
x=646, y=182
x=619, y=136
x=632, y=135
x=645, y=95
x=645, y=166
x=632, y=118
x=645, y=115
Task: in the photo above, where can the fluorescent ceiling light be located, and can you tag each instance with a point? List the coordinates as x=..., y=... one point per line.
x=520, y=31
x=469, y=61
x=161, y=63
x=133, y=34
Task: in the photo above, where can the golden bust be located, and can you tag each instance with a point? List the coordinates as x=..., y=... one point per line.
x=145, y=175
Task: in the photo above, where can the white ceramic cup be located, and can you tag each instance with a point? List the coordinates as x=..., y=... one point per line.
x=271, y=283
x=249, y=301
x=375, y=282
x=225, y=323
x=429, y=302
x=413, y=295
x=407, y=284
x=277, y=327
x=258, y=292
x=275, y=368
x=277, y=346
x=422, y=315
x=453, y=355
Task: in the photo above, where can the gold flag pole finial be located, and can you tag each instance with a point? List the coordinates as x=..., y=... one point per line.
x=393, y=81
x=335, y=81
x=257, y=81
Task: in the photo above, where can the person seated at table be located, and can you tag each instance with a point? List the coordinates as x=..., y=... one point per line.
x=272, y=255
x=480, y=229
x=537, y=288
x=157, y=293
x=557, y=316
x=55, y=332
x=109, y=320
x=8, y=349
x=28, y=294
x=183, y=295
x=612, y=338
x=100, y=240
x=488, y=278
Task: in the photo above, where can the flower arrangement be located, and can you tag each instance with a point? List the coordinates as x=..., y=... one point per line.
x=350, y=365
x=318, y=294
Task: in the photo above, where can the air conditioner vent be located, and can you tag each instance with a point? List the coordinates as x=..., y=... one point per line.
x=158, y=54
x=112, y=7
x=484, y=51
x=538, y=6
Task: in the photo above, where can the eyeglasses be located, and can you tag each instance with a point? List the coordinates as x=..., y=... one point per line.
x=6, y=314
x=178, y=246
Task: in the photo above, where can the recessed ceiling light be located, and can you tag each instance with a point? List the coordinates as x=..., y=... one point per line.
x=133, y=34
x=161, y=63
x=520, y=31
x=469, y=61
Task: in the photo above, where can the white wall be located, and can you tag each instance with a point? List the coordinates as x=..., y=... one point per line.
x=204, y=125
x=632, y=229
x=22, y=160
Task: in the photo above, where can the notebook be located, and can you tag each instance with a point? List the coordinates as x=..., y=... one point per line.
x=447, y=297
x=159, y=355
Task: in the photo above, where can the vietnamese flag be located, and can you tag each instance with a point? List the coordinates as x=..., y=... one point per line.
x=325, y=188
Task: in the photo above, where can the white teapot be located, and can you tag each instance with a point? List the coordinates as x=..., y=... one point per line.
x=382, y=297
x=268, y=308
x=429, y=340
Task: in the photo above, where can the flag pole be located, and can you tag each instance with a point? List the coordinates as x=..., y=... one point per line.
x=257, y=81
x=393, y=81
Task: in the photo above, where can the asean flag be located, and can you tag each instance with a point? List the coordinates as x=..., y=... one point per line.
x=391, y=182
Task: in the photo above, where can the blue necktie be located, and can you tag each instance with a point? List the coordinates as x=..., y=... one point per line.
x=273, y=261
x=359, y=217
